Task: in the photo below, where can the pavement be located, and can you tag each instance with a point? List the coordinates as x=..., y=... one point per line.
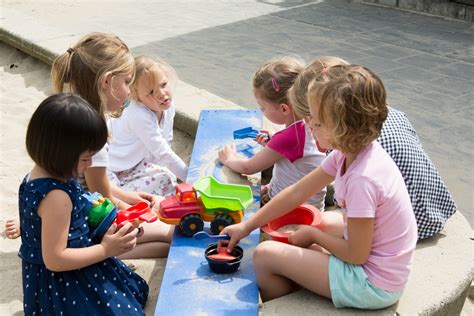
x=426, y=62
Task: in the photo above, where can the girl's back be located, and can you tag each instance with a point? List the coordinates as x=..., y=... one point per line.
x=431, y=200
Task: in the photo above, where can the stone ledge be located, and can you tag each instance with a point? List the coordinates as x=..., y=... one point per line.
x=443, y=8
x=439, y=282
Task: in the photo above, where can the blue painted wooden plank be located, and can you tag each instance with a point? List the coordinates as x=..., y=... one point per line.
x=188, y=286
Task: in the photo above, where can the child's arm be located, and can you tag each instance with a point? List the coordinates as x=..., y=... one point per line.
x=281, y=204
x=55, y=212
x=152, y=137
x=354, y=250
x=97, y=181
x=129, y=198
x=262, y=160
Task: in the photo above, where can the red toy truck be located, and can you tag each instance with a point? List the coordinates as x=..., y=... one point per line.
x=207, y=200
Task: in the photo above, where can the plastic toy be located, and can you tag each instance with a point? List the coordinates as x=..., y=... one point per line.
x=248, y=132
x=223, y=265
x=246, y=149
x=219, y=203
x=102, y=213
x=221, y=254
x=304, y=214
x=204, y=235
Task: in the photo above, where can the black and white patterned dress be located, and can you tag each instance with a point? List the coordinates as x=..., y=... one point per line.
x=430, y=198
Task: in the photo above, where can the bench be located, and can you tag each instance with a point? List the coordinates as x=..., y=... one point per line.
x=188, y=286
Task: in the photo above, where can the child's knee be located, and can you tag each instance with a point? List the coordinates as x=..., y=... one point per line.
x=264, y=252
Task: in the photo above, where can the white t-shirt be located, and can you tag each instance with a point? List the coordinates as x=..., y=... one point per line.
x=100, y=159
x=136, y=135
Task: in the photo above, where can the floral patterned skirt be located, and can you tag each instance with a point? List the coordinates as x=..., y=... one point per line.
x=146, y=177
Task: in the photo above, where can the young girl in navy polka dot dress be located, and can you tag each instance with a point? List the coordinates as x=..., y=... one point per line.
x=63, y=271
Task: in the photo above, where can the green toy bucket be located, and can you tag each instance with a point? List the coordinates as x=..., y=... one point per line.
x=215, y=194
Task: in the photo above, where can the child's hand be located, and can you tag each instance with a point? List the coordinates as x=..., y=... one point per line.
x=226, y=153
x=136, y=224
x=118, y=241
x=263, y=137
x=147, y=197
x=137, y=197
x=302, y=237
x=236, y=233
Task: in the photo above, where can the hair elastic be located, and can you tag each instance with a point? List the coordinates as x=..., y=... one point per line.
x=275, y=85
x=70, y=50
x=325, y=70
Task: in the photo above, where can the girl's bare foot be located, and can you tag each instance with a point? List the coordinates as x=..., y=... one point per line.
x=12, y=228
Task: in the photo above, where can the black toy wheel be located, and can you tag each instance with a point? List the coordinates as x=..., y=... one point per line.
x=191, y=224
x=220, y=221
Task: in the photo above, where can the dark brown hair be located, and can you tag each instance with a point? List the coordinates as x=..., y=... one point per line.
x=62, y=128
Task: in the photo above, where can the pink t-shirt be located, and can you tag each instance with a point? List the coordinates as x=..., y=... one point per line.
x=373, y=187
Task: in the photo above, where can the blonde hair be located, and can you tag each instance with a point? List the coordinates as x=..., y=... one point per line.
x=276, y=76
x=298, y=93
x=83, y=66
x=354, y=99
x=147, y=66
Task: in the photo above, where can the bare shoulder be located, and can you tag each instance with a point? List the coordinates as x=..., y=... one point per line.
x=55, y=201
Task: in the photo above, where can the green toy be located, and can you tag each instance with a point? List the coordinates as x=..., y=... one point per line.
x=99, y=210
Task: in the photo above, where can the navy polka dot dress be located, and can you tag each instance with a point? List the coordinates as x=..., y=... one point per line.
x=105, y=288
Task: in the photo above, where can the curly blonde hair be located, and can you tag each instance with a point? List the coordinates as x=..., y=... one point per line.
x=82, y=67
x=353, y=98
x=298, y=93
x=276, y=76
x=149, y=67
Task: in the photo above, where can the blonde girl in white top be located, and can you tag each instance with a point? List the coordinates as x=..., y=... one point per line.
x=140, y=155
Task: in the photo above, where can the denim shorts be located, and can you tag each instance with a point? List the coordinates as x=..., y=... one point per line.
x=351, y=288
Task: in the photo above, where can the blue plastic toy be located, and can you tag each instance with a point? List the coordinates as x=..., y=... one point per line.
x=248, y=132
x=246, y=149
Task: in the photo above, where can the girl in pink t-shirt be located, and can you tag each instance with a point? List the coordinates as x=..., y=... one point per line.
x=369, y=267
x=292, y=151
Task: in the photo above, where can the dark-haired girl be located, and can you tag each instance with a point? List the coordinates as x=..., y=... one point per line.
x=63, y=271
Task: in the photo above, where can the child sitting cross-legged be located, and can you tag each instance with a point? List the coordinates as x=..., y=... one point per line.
x=140, y=155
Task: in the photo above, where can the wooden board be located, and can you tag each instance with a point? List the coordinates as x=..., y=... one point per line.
x=188, y=286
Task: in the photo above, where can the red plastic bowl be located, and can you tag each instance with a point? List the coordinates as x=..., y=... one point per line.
x=304, y=214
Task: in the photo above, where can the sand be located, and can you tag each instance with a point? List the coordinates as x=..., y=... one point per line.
x=24, y=83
